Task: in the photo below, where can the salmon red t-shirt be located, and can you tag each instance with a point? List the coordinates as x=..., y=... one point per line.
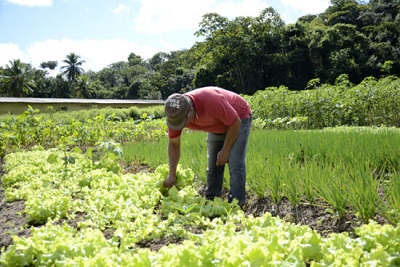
x=216, y=110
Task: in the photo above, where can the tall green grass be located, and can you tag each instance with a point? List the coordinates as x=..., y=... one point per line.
x=356, y=168
x=155, y=153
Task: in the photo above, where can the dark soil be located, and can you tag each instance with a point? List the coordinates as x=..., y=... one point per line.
x=318, y=216
x=12, y=219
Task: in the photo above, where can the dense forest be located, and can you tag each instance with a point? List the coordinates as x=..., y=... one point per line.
x=244, y=55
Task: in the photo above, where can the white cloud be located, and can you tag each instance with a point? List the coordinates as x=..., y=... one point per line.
x=97, y=54
x=157, y=16
x=246, y=8
x=121, y=8
x=160, y=16
x=307, y=7
x=32, y=3
x=9, y=52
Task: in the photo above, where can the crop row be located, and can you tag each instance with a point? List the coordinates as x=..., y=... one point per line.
x=34, y=129
x=370, y=103
x=352, y=170
x=71, y=186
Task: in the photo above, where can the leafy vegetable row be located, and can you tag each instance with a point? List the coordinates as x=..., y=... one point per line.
x=57, y=184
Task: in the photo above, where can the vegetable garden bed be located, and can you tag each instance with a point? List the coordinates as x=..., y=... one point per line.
x=67, y=199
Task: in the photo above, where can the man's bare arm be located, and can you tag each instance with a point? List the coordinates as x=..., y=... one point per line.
x=174, y=151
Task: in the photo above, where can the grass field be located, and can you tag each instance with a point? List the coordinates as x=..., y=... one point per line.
x=351, y=169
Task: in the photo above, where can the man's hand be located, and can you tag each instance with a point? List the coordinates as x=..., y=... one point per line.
x=222, y=158
x=170, y=181
x=231, y=136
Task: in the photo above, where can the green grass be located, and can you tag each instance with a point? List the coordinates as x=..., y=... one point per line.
x=334, y=165
x=155, y=153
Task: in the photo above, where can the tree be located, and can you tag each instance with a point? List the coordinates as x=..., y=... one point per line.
x=157, y=60
x=345, y=45
x=134, y=59
x=42, y=82
x=72, y=69
x=60, y=88
x=15, y=80
x=49, y=65
x=242, y=55
x=342, y=11
x=169, y=73
x=296, y=45
x=82, y=89
x=381, y=23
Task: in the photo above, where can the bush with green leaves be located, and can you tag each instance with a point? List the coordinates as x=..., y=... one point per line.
x=370, y=103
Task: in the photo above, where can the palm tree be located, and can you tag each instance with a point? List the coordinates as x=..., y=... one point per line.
x=72, y=68
x=82, y=87
x=15, y=80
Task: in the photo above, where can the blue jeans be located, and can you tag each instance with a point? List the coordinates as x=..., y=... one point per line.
x=237, y=164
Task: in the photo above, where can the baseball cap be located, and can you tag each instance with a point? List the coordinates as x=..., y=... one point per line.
x=177, y=107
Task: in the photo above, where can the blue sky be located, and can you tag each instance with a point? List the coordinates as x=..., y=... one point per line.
x=102, y=32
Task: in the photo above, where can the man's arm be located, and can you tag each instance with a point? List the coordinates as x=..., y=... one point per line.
x=231, y=136
x=174, y=152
